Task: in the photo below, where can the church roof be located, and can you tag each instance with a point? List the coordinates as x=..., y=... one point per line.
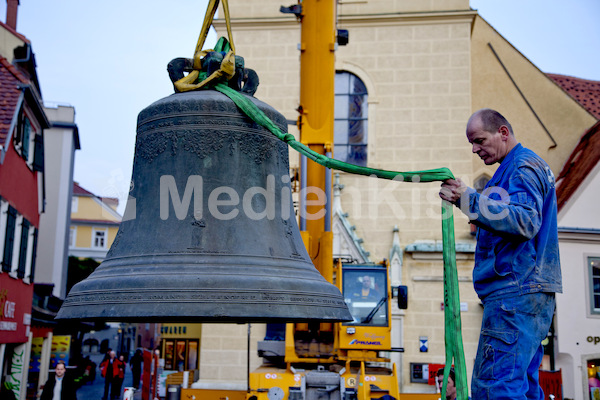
x=579, y=164
x=585, y=91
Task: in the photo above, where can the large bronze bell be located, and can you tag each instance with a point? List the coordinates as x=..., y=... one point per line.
x=209, y=233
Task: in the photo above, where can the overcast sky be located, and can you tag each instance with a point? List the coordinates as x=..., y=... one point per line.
x=108, y=59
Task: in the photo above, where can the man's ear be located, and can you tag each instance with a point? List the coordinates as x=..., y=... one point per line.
x=503, y=130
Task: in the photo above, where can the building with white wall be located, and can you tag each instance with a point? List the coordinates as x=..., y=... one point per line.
x=94, y=224
x=60, y=143
x=578, y=307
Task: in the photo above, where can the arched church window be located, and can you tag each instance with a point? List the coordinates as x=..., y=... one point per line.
x=351, y=114
x=479, y=185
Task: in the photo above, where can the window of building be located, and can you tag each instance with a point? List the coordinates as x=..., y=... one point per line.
x=90, y=346
x=479, y=185
x=22, y=136
x=593, y=373
x=22, y=266
x=3, y=220
x=365, y=294
x=38, y=153
x=74, y=204
x=594, y=274
x=9, y=239
x=72, y=236
x=180, y=354
x=27, y=143
x=351, y=114
x=33, y=254
x=17, y=244
x=26, y=138
x=99, y=238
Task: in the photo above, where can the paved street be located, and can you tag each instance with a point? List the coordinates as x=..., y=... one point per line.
x=95, y=390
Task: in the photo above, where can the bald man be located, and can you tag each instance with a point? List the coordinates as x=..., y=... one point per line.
x=517, y=266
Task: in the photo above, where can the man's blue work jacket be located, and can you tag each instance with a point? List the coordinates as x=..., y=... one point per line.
x=517, y=239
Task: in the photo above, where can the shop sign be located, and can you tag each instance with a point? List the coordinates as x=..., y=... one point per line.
x=433, y=369
x=15, y=379
x=173, y=330
x=15, y=310
x=181, y=331
x=37, y=343
x=593, y=339
x=7, y=312
x=60, y=349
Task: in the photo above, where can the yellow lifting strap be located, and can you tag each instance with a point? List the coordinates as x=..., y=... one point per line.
x=227, y=68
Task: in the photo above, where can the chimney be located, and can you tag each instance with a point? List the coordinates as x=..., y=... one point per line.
x=11, y=13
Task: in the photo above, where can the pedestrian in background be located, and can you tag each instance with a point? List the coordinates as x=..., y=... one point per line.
x=450, y=387
x=59, y=386
x=118, y=382
x=110, y=369
x=136, y=367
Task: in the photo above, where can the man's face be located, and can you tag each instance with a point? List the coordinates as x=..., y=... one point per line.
x=366, y=282
x=450, y=388
x=487, y=145
x=60, y=370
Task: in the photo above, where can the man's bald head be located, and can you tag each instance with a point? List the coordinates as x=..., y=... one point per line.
x=491, y=120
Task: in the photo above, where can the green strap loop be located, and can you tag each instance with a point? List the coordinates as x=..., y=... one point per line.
x=452, y=322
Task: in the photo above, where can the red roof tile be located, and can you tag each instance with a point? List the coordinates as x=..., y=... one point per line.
x=10, y=78
x=580, y=163
x=112, y=202
x=586, y=92
x=79, y=191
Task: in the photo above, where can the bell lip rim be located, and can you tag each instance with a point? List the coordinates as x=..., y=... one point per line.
x=202, y=320
x=205, y=319
x=237, y=313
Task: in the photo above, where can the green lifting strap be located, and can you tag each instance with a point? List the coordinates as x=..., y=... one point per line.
x=452, y=322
